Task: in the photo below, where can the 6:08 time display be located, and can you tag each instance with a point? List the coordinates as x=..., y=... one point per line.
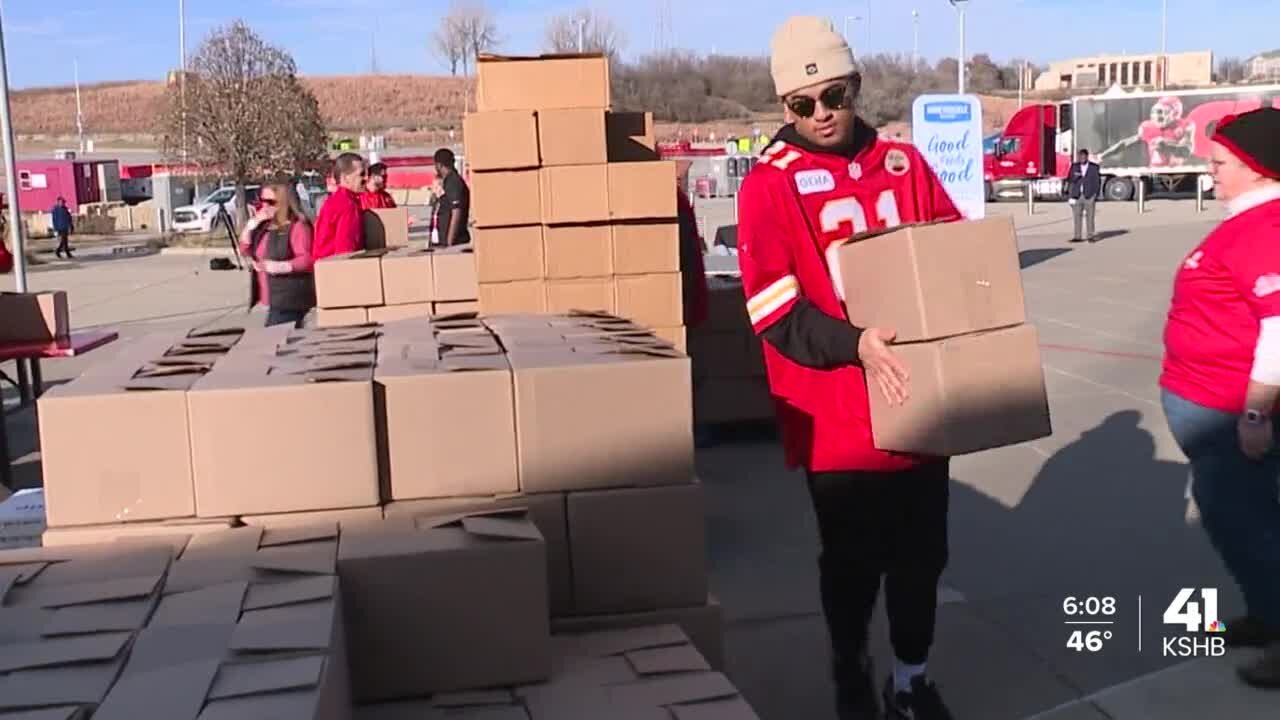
x=1074, y=606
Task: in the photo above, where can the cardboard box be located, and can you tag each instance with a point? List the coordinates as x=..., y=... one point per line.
x=587, y=294
x=454, y=273
x=502, y=198
x=574, y=194
x=469, y=608
x=525, y=296
x=933, y=281
x=642, y=190
x=450, y=422
x=675, y=336
x=321, y=517
x=341, y=317
x=732, y=399
x=638, y=549
x=631, y=137
x=578, y=251
x=250, y=554
x=572, y=137
x=641, y=248
x=350, y=280
x=407, y=277
x=544, y=82
x=385, y=228
x=501, y=140
x=546, y=510
x=34, y=316
x=968, y=393
x=392, y=313
x=315, y=406
x=703, y=624
x=456, y=307
x=94, y=534
x=651, y=300
x=507, y=254
x=587, y=421
x=114, y=441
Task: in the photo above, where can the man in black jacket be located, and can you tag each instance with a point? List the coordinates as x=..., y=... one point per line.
x=1084, y=185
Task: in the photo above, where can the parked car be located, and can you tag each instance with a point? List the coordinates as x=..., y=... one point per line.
x=200, y=216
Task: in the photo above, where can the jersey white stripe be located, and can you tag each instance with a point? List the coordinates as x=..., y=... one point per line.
x=765, y=296
x=761, y=313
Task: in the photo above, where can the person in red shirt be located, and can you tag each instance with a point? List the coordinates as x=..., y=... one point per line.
x=338, y=225
x=826, y=177
x=1221, y=377
x=375, y=195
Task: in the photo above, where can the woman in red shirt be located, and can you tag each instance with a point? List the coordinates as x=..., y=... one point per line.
x=277, y=241
x=1221, y=378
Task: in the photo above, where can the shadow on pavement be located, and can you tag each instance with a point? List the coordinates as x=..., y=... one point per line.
x=1108, y=234
x=1029, y=258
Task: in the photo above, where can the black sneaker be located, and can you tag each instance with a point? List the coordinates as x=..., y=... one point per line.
x=922, y=702
x=855, y=690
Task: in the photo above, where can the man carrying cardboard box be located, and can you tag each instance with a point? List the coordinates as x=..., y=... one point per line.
x=827, y=177
x=338, y=225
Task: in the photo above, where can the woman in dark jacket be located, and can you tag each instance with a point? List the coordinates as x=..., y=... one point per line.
x=277, y=241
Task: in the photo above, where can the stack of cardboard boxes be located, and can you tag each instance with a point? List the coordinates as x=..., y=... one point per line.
x=729, y=382
x=953, y=294
x=573, y=210
x=476, y=486
x=384, y=285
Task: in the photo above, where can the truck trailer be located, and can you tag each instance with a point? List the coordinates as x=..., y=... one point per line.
x=1159, y=139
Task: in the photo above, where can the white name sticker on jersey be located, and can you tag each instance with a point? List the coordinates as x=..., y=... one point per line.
x=815, y=181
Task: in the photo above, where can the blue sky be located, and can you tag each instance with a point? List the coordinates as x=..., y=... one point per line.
x=138, y=39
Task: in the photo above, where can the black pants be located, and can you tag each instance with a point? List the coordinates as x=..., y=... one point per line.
x=280, y=316
x=63, y=244
x=874, y=524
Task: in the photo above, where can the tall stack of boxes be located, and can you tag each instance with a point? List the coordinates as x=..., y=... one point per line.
x=572, y=207
x=729, y=381
x=476, y=486
x=386, y=285
x=953, y=294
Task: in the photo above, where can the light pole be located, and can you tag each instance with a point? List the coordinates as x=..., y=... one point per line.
x=847, y=38
x=582, y=27
x=1164, y=41
x=79, y=116
x=182, y=73
x=960, y=6
x=11, y=173
x=915, y=40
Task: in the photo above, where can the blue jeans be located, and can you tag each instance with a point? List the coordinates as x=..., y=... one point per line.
x=1239, y=501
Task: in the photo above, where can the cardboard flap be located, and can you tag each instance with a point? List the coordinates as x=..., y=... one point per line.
x=158, y=647
x=316, y=558
x=622, y=641
x=175, y=691
x=675, y=689
x=487, y=351
x=283, y=635
x=447, y=318
x=599, y=314
x=326, y=363
x=725, y=709
x=20, y=625
x=114, y=616
x=50, y=652
x=465, y=362
x=325, y=376
x=350, y=333
x=33, y=556
x=506, y=528
x=429, y=521
x=181, y=368
x=8, y=578
x=254, y=678
x=58, y=686
x=639, y=351
x=452, y=340
x=472, y=698
x=274, y=537
x=219, y=603
x=197, y=359
x=59, y=596
x=235, y=542
x=60, y=713
x=211, y=342
x=676, y=658
x=22, y=572
x=169, y=382
x=269, y=595
x=227, y=331
x=346, y=347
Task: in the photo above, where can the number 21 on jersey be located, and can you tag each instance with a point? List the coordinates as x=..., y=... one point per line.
x=837, y=212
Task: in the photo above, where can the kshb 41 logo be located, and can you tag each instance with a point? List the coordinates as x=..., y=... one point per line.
x=1188, y=613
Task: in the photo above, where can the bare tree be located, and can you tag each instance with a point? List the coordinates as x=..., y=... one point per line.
x=583, y=31
x=470, y=30
x=1231, y=70
x=449, y=43
x=245, y=109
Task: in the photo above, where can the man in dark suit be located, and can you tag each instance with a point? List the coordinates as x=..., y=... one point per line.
x=1084, y=185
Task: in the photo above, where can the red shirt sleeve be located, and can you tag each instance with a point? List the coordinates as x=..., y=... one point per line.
x=300, y=243
x=348, y=230
x=768, y=280
x=1254, y=263
x=936, y=202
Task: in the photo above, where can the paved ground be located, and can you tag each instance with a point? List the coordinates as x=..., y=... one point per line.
x=1096, y=509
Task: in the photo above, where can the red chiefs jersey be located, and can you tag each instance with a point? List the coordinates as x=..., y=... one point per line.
x=795, y=207
x=1224, y=289
x=370, y=200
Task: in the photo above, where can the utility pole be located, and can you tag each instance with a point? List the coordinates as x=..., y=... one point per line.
x=182, y=73
x=582, y=27
x=960, y=71
x=915, y=40
x=79, y=114
x=849, y=38
x=1164, y=42
x=11, y=172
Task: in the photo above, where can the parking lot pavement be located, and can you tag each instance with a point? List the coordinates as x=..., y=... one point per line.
x=1096, y=509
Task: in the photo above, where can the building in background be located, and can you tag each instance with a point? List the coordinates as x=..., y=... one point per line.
x=1187, y=69
x=1264, y=67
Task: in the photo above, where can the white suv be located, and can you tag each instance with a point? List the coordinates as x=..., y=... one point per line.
x=201, y=216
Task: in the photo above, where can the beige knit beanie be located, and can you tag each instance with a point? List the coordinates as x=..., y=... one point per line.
x=806, y=51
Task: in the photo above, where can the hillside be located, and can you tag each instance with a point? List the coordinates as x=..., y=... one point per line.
x=407, y=108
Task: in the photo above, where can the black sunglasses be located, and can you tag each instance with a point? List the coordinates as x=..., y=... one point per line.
x=836, y=97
